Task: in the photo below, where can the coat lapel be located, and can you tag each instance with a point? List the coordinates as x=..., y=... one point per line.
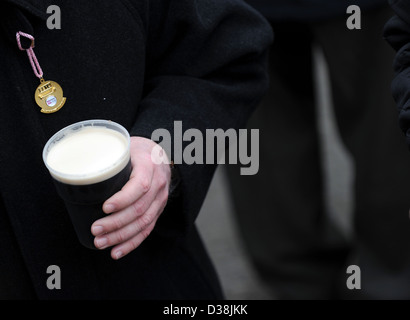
x=37, y=225
x=37, y=8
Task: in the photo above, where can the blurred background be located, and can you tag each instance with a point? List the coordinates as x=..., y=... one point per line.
x=219, y=227
x=317, y=205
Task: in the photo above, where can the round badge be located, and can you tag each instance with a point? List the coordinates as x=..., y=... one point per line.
x=49, y=96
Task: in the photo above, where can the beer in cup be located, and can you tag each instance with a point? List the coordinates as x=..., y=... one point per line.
x=89, y=162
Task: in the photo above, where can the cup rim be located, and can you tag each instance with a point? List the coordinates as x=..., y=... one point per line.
x=93, y=177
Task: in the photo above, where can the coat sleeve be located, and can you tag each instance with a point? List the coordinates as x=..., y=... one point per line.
x=206, y=67
x=397, y=34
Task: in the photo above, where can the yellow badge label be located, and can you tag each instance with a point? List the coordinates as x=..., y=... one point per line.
x=49, y=96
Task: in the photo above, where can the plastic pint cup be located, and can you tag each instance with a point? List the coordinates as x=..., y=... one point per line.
x=89, y=162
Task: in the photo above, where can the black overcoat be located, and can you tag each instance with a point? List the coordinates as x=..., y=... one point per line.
x=397, y=33
x=143, y=64
x=309, y=10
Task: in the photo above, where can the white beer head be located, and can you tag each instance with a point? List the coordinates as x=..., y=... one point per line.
x=87, y=152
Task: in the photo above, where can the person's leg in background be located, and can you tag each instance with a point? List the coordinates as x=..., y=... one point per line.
x=280, y=210
x=360, y=68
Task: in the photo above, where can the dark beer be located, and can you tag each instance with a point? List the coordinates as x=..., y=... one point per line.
x=89, y=162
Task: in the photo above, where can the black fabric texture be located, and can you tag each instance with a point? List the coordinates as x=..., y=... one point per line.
x=142, y=64
x=310, y=10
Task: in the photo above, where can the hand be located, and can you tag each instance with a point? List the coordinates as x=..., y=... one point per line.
x=136, y=208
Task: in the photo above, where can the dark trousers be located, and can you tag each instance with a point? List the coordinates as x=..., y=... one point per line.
x=281, y=211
